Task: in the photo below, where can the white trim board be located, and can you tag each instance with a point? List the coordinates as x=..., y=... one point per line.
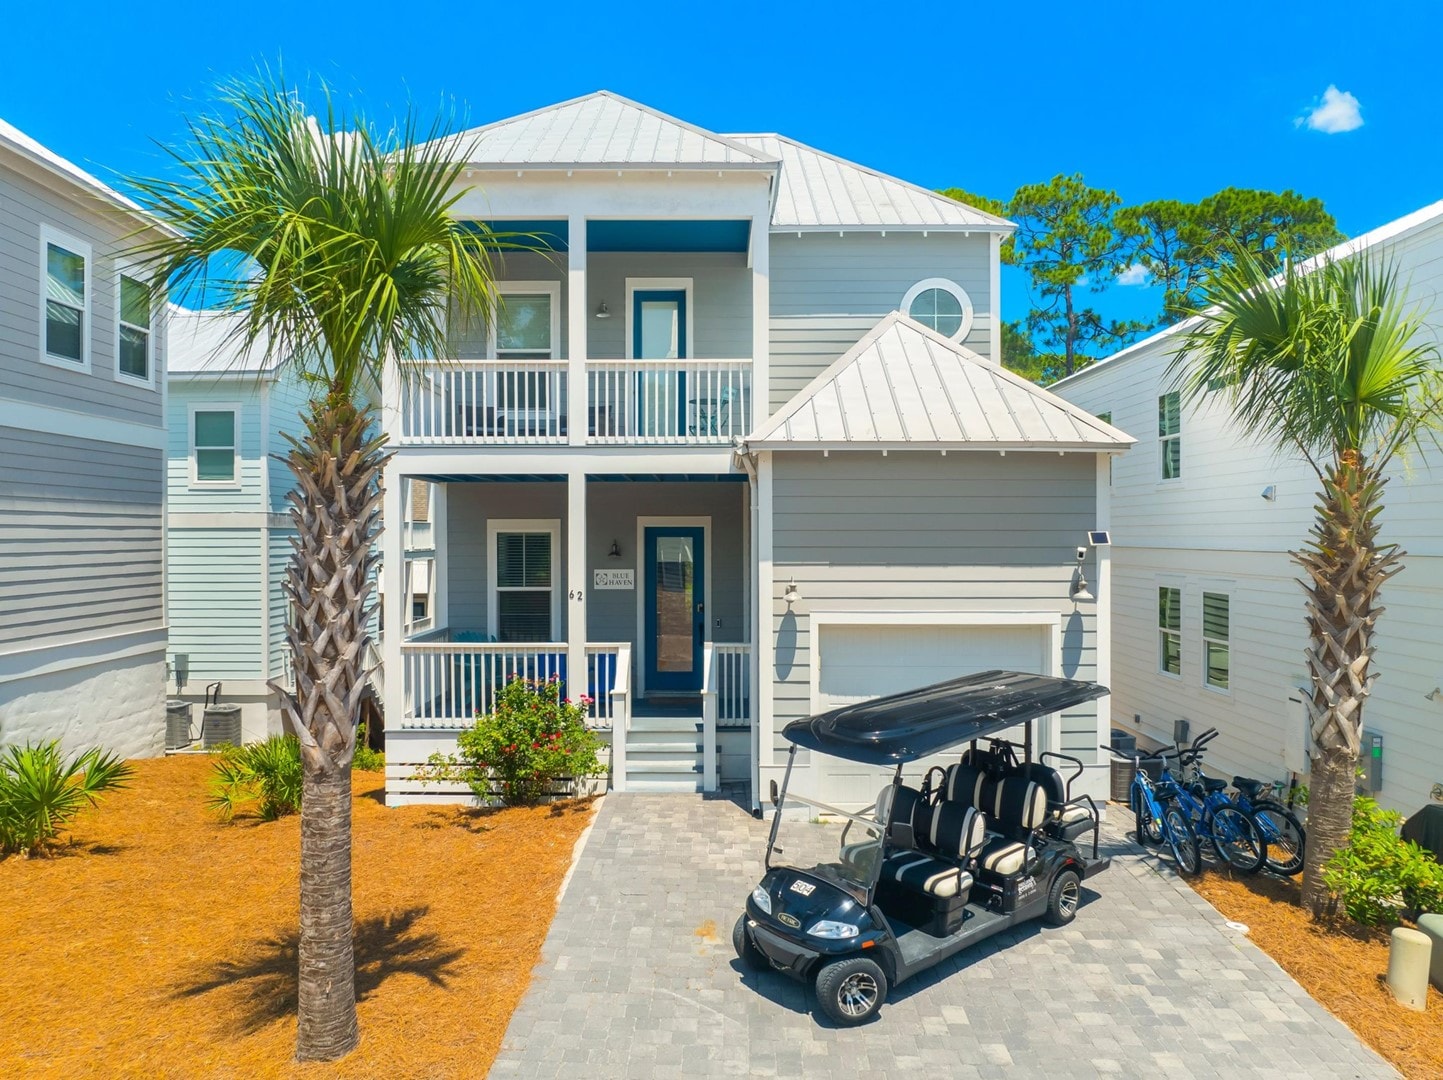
x=642, y=523
x=495, y=526
x=69, y=424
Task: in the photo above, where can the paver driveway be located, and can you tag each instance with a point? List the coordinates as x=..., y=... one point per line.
x=638, y=979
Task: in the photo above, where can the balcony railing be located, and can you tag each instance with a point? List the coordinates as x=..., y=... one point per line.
x=525, y=402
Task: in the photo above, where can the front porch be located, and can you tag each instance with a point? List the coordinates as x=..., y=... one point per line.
x=631, y=590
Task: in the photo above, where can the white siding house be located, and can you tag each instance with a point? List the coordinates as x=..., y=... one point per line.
x=1208, y=624
x=734, y=447
x=82, y=436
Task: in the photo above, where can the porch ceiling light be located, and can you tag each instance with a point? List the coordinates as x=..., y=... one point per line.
x=615, y=552
x=603, y=312
x=791, y=596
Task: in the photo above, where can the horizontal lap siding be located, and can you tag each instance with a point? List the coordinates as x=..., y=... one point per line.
x=80, y=534
x=827, y=291
x=286, y=402
x=185, y=497
x=279, y=557
x=216, y=608
x=721, y=300
x=920, y=533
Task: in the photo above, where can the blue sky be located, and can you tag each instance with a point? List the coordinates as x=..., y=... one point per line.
x=1153, y=100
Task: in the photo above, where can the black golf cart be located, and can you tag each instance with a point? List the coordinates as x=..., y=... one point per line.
x=986, y=843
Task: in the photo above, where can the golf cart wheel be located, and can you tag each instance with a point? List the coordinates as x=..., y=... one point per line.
x=747, y=951
x=851, y=991
x=1063, y=898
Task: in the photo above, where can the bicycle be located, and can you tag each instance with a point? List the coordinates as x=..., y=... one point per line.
x=1234, y=835
x=1155, y=805
x=1281, y=831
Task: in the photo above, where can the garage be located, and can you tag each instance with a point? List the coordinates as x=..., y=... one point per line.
x=860, y=661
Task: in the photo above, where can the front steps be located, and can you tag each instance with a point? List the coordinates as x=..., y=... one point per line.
x=664, y=753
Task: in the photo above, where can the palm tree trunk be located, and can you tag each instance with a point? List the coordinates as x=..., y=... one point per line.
x=336, y=511
x=1346, y=569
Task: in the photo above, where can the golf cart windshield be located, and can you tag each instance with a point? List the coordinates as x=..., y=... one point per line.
x=841, y=847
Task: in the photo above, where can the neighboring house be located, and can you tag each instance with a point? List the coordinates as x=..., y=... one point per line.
x=737, y=448
x=1208, y=623
x=82, y=436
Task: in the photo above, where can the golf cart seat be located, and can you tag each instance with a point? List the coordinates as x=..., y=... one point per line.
x=1065, y=819
x=929, y=887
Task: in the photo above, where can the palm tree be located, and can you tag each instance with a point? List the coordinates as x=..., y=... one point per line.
x=336, y=247
x=1325, y=361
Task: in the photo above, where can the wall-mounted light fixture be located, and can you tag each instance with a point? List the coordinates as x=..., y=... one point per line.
x=615, y=552
x=791, y=596
x=602, y=311
x=1079, y=583
x=1271, y=493
x=1434, y=694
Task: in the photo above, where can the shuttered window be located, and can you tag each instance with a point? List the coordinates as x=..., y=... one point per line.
x=1169, y=435
x=1169, y=630
x=1215, y=633
x=524, y=581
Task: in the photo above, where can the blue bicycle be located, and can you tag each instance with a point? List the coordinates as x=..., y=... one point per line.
x=1234, y=835
x=1159, y=818
x=1280, y=829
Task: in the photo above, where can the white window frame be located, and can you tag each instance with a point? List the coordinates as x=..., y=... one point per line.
x=494, y=528
x=1163, y=440
x=1160, y=630
x=1205, y=640
x=948, y=286
x=523, y=288
x=130, y=271
x=232, y=407
x=647, y=284
x=51, y=235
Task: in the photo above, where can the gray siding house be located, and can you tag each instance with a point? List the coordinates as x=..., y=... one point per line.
x=82, y=436
x=733, y=448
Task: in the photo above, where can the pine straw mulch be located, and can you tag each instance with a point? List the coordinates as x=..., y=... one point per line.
x=1341, y=967
x=161, y=943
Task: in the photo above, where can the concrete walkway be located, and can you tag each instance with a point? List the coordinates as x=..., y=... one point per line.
x=638, y=979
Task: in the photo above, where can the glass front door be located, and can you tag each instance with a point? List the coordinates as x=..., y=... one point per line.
x=658, y=328
x=675, y=608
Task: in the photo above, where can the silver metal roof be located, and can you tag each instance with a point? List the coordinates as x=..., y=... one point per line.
x=15, y=141
x=603, y=129
x=205, y=343
x=904, y=386
x=821, y=191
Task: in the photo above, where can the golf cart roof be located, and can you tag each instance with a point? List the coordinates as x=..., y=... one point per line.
x=906, y=726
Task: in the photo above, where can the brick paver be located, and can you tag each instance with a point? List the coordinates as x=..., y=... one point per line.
x=638, y=979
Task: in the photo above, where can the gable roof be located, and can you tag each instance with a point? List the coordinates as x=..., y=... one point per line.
x=204, y=343
x=23, y=146
x=822, y=191
x=603, y=129
x=904, y=386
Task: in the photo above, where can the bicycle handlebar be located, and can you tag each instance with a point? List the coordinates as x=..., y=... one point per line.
x=1115, y=752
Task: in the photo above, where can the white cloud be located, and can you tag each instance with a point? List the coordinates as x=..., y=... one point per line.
x=1136, y=274
x=1337, y=112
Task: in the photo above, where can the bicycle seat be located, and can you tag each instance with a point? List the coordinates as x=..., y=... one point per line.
x=1249, y=787
x=1165, y=791
x=1210, y=784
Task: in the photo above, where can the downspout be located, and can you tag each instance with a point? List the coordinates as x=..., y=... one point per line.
x=749, y=465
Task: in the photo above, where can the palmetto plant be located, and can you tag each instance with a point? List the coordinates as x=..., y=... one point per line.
x=40, y=792
x=335, y=246
x=265, y=774
x=1326, y=361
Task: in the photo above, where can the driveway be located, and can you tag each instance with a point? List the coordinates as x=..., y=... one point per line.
x=638, y=979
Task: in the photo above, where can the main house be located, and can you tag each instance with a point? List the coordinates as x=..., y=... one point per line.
x=82, y=437
x=1208, y=616
x=735, y=448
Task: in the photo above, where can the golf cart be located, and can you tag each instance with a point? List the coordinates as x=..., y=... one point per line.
x=988, y=842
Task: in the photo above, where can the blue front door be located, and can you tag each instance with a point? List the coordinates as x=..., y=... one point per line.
x=658, y=332
x=674, y=608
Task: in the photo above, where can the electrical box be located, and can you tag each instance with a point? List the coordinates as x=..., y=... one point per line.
x=1372, y=763
x=1180, y=732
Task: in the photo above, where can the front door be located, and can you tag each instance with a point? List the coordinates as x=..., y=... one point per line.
x=658, y=332
x=674, y=608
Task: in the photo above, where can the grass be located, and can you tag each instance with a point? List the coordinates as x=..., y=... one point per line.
x=1341, y=967
x=161, y=943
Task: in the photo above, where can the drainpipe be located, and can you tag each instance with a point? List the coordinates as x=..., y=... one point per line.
x=749, y=464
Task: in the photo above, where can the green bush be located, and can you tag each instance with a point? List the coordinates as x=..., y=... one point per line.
x=1379, y=877
x=267, y=774
x=366, y=759
x=40, y=793
x=531, y=738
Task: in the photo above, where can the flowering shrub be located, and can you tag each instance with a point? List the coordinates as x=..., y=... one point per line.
x=531, y=737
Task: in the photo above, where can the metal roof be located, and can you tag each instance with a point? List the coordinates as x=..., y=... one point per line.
x=206, y=343
x=821, y=191
x=603, y=129
x=904, y=386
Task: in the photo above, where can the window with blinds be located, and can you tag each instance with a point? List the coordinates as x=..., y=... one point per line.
x=524, y=582
x=1169, y=630
x=1215, y=620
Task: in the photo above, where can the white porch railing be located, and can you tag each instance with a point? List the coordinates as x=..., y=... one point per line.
x=484, y=402
x=733, y=673
x=686, y=402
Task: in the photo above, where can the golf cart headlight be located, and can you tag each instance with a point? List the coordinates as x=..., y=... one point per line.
x=829, y=928
x=761, y=899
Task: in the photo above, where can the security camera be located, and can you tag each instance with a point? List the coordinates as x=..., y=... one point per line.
x=1081, y=554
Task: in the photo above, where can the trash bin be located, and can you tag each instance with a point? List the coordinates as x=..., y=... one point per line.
x=222, y=724
x=1121, y=780
x=177, y=723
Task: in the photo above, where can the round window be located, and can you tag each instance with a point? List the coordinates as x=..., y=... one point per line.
x=940, y=305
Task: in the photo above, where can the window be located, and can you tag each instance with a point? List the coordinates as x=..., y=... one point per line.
x=1215, y=618
x=1169, y=435
x=132, y=337
x=940, y=305
x=65, y=294
x=1169, y=630
x=420, y=603
x=213, y=436
x=524, y=327
x=524, y=578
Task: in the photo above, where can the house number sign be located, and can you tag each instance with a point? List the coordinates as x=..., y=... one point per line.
x=613, y=579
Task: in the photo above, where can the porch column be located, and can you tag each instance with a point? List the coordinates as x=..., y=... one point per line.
x=577, y=584
x=394, y=602
x=576, y=308
x=440, y=566
x=760, y=252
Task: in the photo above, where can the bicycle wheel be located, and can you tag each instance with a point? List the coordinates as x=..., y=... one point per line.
x=1237, y=839
x=1149, y=830
x=1182, y=839
x=1284, y=836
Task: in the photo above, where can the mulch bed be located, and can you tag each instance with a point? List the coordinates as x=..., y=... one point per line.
x=1342, y=967
x=161, y=943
